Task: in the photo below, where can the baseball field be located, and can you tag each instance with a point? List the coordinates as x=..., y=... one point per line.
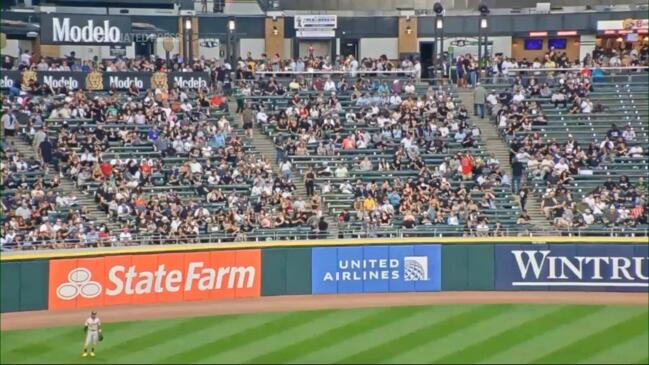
x=443, y=333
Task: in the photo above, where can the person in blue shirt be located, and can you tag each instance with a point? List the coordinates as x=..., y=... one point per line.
x=153, y=134
x=217, y=140
x=459, y=135
x=394, y=198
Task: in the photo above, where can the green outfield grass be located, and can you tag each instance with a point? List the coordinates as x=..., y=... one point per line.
x=531, y=333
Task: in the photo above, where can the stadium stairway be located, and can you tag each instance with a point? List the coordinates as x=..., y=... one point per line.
x=86, y=201
x=265, y=146
x=495, y=144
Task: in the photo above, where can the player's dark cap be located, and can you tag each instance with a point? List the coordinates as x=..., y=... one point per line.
x=93, y=312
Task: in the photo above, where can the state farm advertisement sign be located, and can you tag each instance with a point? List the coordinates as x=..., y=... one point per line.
x=154, y=278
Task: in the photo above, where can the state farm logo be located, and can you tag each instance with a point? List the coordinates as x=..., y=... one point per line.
x=125, y=279
x=79, y=283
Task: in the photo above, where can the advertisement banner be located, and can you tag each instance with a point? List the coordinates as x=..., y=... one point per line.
x=69, y=79
x=122, y=80
x=85, y=29
x=97, y=81
x=357, y=269
x=189, y=80
x=588, y=267
x=316, y=21
x=154, y=278
x=10, y=79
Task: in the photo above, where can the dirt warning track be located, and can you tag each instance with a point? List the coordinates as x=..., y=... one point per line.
x=39, y=319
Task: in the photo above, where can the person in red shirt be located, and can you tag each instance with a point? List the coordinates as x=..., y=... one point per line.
x=349, y=143
x=106, y=169
x=467, y=163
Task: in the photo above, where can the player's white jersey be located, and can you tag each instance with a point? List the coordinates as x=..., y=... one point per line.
x=93, y=324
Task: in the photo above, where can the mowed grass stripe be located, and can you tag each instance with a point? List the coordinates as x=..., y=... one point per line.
x=338, y=334
x=381, y=335
x=273, y=341
x=425, y=334
x=183, y=328
x=629, y=352
x=195, y=354
x=528, y=350
x=599, y=341
x=206, y=333
x=68, y=345
x=528, y=330
x=643, y=361
x=30, y=347
x=469, y=335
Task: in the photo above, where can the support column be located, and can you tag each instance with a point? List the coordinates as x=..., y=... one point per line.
x=274, y=36
x=408, y=40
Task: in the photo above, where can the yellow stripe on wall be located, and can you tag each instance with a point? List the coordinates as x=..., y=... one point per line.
x=15, y=256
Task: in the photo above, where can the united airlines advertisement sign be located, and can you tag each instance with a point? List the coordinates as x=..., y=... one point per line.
x=85, y=29
x=588, y=267
x=358, y=269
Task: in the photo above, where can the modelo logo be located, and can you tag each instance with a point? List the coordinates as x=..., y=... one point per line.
x=539, y=266
x=69, y=82
x=6, y=82
x=120, y=83
x=90, y=33
x=415, y=268
x=192, y=82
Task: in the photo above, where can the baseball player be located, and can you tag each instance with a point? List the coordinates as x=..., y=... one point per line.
x=93, y=333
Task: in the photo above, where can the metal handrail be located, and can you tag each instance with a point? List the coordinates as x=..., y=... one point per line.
x=376, y=232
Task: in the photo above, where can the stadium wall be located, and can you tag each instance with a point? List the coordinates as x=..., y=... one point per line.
x=155, y=274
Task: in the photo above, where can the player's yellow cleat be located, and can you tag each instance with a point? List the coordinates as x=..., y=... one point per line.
x=84, y=354
x=92, y=354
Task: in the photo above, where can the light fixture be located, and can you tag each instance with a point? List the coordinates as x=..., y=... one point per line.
x=439, y=23
x=188, y=24
x=646, y=39
x=483, y=23
x=408, y=30
x=232, y=25
x=275, y=31
x=620, y=39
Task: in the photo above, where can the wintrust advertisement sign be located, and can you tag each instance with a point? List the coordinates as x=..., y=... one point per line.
x=84, y=29
x=587, y=267
x=357, y=269
x=112, y=280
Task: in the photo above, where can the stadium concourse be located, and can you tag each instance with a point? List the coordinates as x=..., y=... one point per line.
x=359, y=151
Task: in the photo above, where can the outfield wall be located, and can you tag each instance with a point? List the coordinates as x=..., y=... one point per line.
x=96, y=278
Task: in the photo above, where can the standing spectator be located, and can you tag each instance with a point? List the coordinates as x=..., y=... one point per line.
x=247, y=120
x=522, y=195
x=517, y=174
x=479, y=97
x=9, y=122
x=309, y=182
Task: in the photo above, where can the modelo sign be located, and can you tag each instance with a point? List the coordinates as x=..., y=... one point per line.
x=86, y=29
x=126, y=279
x=122, y=80
x=10, y=79
x=587, y=267
x=189, y=80
x=57, y=79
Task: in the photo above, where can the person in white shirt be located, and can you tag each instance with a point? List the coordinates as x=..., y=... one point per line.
x=329, y=85
x=341, y=171
x=586, y=106
x=519, y=97
x=92, y=328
